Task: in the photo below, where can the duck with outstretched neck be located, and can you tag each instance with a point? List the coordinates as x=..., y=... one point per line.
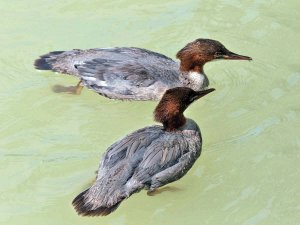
x=135, y=73
x=148, y=158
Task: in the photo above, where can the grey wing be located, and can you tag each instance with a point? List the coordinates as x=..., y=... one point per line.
x=168, y=160
x=130, y=73
x=129, y=150
x=174, y=172
x=121, y=73
x=117, y=166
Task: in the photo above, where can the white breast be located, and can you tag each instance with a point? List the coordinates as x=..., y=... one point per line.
x=196, y=80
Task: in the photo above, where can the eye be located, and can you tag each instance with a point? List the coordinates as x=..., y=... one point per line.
x=218, y=54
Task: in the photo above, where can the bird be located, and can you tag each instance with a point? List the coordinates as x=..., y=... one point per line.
x=148, y=158
x=130, y=73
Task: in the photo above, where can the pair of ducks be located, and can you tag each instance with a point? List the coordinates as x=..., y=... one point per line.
x=153, y=156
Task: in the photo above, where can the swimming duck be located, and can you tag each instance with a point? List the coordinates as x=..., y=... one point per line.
x=136, y=73
x=148, y=158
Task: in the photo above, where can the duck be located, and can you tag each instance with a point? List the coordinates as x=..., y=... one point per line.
x=130, y=73
x=148, y=158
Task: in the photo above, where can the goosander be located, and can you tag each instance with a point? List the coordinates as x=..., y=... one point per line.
x=148, y=158
x=136, y=73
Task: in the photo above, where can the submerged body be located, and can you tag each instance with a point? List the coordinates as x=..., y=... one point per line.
x=147, y=158
x=136, y=73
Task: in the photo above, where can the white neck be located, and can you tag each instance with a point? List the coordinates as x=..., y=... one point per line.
x=194, y=80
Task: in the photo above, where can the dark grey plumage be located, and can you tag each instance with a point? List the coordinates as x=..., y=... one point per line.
x=136, y=73
x=122, y=73
x=148, y=158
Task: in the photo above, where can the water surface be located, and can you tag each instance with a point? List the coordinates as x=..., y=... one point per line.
x=50, y=144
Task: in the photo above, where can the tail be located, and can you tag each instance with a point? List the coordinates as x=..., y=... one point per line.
x=45, y=62
x=110, y=189
x=85, y=205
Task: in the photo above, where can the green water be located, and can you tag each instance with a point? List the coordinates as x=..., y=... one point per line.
x=50, y=144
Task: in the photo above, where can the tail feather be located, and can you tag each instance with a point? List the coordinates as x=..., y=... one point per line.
x=45, y=61
x=84, y=208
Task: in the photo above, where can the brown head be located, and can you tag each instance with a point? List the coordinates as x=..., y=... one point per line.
x=174, y=102
x=195, y=54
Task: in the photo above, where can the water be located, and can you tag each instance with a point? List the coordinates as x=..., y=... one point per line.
x=50, y=143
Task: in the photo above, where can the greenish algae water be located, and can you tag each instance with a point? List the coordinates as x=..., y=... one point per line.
x=50, y=144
